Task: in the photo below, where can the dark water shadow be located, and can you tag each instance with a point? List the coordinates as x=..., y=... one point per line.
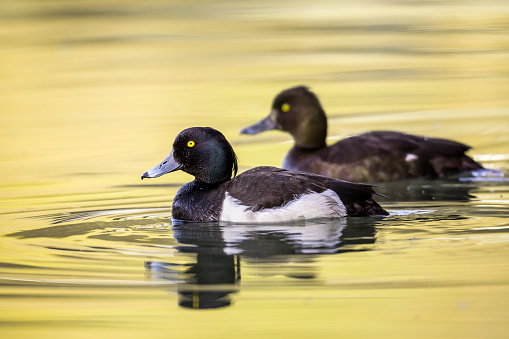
x=428, y=190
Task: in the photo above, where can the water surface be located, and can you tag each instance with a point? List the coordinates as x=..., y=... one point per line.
x=93, y=93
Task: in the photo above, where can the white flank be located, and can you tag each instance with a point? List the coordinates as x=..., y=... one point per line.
x=411, y=157
x=307, y=206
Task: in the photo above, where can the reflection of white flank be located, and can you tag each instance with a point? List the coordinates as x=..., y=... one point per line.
x=314, y=236
x=486, y=174
x=409, y=212
x=307, y=206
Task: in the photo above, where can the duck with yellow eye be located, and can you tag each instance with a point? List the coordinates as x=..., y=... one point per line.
x=261, y=194
x=369, y=157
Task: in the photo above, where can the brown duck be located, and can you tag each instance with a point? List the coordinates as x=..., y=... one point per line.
x=369, y=157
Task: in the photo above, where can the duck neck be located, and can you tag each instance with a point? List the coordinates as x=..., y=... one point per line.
x=215, y=175
x=218, y=167
x=311, y=133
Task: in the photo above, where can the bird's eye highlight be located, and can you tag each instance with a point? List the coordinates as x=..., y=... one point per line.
x=285, y=107
x=190, y=143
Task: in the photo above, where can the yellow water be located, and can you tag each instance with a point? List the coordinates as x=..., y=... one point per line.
x=92, y=94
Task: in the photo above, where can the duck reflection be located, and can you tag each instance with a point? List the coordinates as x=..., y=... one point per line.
x=426, y=190
x=289, y=250
x=206, y=283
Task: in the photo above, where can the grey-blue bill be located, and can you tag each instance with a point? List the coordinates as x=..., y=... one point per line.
x=169, y=164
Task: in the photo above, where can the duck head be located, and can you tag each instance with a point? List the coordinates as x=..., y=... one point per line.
x=202, y=152
x=297, y=111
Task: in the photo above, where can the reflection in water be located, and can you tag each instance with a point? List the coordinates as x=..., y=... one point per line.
x=425, y=190
x=208, y=282
x=213, y=277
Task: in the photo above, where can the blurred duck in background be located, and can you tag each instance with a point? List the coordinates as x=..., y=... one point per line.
x=369, y=157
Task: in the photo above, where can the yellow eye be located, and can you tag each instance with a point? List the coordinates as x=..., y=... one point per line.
x=285, y=107
x=190, y=143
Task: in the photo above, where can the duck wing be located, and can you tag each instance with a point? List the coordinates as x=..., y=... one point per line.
x=276, y=187
x=385, y=155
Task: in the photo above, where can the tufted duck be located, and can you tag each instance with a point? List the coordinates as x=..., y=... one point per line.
x=368, y=157
x=261, y=194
